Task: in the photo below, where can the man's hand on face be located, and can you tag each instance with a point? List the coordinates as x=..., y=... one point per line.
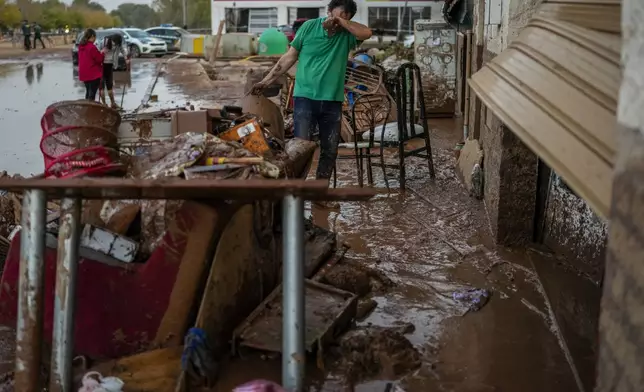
x=332, y=25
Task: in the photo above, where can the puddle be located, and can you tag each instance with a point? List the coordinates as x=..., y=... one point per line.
x=28, y=87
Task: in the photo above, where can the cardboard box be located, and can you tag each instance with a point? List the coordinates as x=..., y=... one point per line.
x=189, y=121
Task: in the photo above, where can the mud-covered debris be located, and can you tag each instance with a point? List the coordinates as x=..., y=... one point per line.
x=348, y=278
x=365, y=307
x=357, y=279
x=370, y=353
x=474, y=298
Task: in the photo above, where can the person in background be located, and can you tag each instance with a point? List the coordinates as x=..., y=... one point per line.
x=26, y=33
x=113, y=47
x=90, y=64
x=322, y=46
x=37, y=35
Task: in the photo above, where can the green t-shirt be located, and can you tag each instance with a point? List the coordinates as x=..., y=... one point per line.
x=322, y=61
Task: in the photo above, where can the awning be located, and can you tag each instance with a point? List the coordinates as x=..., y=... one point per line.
x=556, y=88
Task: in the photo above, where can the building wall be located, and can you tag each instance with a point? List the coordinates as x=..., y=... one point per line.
x=574, y=230
x=620, y=342
x=218, y=8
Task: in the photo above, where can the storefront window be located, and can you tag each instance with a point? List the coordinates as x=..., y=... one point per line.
x=384, y=20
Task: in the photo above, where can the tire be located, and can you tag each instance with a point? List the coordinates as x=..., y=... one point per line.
x=159, y=55
x=134, y=50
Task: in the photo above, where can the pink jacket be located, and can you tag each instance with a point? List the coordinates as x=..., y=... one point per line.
x=90, y=62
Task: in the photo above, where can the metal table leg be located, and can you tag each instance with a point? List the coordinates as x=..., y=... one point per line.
x=293, y=356
x=62, y=353
x=31, y=292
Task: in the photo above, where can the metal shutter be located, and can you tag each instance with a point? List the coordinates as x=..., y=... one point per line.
x=260, y=19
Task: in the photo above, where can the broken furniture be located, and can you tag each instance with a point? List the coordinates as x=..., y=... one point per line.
x=408, y=126
x=328, y=311
x=79, y=139
x=367, y=114
x=31, y=283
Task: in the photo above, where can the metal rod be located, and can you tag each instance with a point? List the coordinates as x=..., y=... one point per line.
x=293, y=357
x=62, y=353
x=31, y=292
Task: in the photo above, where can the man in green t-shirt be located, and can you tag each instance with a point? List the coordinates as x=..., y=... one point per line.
x=322, y=48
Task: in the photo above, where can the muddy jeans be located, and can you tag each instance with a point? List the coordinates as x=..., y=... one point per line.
x=326, y=115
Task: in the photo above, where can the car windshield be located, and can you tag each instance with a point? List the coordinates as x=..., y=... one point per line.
x=137, y=34
x=182, y=31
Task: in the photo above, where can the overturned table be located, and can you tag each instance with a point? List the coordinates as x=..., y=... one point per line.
x=71, y=192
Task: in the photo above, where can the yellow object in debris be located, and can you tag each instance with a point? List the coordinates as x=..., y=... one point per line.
x=250, y=135
x=243, y=160
x=197, y=45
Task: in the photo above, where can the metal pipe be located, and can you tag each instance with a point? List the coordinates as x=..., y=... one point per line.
x=293, y=356
x=62, y=353
x=468, y=74
x=31, y=292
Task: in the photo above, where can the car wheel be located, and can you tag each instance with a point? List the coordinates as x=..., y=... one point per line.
x=135, y=51
x=159, y=55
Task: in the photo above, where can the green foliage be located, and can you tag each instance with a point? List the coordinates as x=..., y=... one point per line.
x=136, y=15
x=9, y=15
x=54, y=14
x=171, y=11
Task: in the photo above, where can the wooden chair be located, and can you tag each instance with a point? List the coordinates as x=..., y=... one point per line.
x=408, y=88
x=367, y=114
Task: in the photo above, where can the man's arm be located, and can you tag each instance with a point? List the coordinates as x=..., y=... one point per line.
x=360, y=31
x=283, y=65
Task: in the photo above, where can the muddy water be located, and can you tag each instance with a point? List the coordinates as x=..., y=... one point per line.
x=432, y=241
x=27, y=88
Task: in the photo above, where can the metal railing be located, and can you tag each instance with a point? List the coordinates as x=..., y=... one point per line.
x=71, y=192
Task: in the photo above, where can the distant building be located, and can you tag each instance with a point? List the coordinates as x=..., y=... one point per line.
x=250, y=16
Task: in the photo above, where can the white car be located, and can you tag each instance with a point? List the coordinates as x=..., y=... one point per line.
x=141, y=43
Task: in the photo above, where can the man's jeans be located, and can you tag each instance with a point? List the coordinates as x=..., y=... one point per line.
x=327, y=116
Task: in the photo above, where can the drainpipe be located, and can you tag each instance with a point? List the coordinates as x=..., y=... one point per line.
x=468, y=74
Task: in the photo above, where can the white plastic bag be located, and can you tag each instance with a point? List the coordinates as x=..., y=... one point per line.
x=95, y=382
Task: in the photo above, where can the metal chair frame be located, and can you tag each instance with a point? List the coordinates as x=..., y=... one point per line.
x=408, y=84
x=375, y=109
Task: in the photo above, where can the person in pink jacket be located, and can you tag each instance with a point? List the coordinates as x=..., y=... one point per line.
x=90, y=64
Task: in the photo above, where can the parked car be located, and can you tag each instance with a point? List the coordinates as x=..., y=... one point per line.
x=170, y=34
x=141, y=43
x=288, y=31
x=100, y=38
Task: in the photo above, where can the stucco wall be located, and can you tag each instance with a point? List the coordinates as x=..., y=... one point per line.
x=574, y=230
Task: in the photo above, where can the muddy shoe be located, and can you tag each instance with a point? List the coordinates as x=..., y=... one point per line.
x=328, y=205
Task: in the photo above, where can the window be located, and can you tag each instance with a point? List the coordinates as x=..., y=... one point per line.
x=413, y=13
x=237, y=20
x=155, y=32
x=384, y=20
x=250, y=20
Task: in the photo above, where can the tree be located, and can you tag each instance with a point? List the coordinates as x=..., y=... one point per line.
x=92, y=5
x=171, y=11
x=10, y=15
x=137, y=15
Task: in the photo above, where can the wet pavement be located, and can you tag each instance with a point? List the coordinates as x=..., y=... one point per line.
x=28, y=87
x=432, y=241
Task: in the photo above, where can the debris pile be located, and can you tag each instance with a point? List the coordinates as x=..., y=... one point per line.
x=369, y=353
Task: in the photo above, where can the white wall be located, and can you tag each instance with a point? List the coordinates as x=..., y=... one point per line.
x=504, y=19
x=219, y=8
